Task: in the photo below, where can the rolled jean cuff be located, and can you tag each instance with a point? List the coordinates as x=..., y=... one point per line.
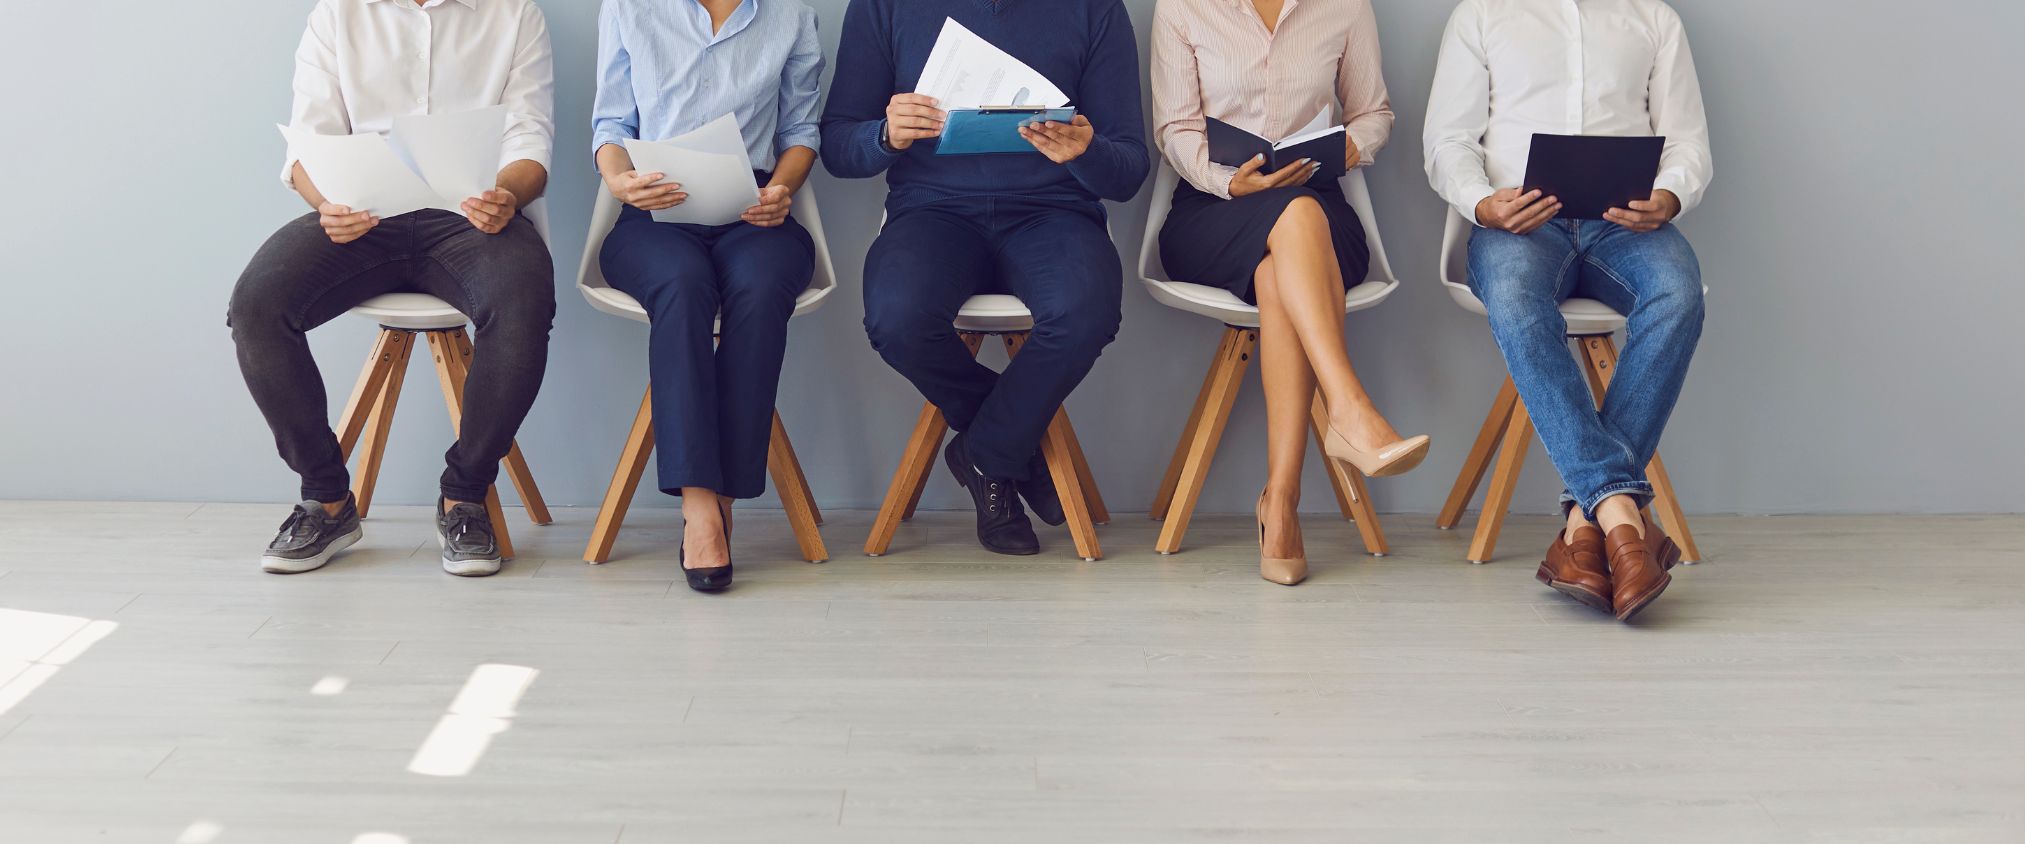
x=1639, y=490
x=324, y=495
x=463, y=495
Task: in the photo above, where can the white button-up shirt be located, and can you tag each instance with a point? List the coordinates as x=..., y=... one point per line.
x=364, y=62
x=1512, y=68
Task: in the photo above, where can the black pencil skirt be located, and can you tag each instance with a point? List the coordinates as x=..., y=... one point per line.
x=1220, y=242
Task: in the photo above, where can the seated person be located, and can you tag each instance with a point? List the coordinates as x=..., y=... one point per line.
x=1030, y=224
x=1284, y=241
x=665, y=69
x=355, y=71
x=1512, y=68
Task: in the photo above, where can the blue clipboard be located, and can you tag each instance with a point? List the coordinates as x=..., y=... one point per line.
x=980, y=131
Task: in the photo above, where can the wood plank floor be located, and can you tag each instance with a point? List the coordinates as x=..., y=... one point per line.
x=1848, y=679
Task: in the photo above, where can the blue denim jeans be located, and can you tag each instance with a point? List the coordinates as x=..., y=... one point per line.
x=1654, y=280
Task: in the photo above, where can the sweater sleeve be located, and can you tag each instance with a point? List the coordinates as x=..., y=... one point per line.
x=856, y=110
x=1116, y=163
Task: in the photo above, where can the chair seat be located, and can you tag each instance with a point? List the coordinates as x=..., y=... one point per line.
x=1224, y=306
x=411, y=311
x=994, y=312
x=1584, y=316
x=619, y=303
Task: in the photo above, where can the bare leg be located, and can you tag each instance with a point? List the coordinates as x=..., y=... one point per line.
x=1289, y=384
x=1309, y=285
x=703, y=543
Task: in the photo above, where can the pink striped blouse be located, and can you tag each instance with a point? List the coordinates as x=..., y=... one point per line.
x=1216, y=58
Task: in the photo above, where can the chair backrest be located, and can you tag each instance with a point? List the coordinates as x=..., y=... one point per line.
x=1355, y=191
x=605, y=215
x=1455, y=253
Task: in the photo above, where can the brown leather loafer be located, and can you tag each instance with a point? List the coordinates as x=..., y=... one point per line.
x=1664, y=550
x=1578, y=569
x=1635, y=577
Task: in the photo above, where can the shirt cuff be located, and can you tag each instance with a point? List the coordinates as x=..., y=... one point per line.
x=804, y=136
x=1471, y=197
x=536, y=152
x=1678, y=186
x=1364, y=147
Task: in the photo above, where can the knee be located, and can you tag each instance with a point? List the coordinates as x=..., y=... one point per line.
x=1302, y=217
x=901, y=329
x=257, y=303
x=1678, y=300
x=1514, y=302
x=524, y=306
x=1083, y=333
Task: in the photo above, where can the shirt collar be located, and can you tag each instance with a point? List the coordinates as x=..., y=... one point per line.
x=740, y=18
x=469, y=4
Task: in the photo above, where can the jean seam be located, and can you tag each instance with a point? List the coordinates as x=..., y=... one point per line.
x=302, y=313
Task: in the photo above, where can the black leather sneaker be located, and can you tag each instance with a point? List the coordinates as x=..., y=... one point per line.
x=1039, y=491
x=1002, y=526
x=310, y=537
x=466, y=536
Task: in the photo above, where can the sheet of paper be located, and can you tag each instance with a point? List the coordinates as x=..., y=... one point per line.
x=457, y=154
x=1316, y=128
x=710, y=164
x=966, y=71
x=362, y=172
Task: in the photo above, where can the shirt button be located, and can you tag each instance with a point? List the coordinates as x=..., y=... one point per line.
x=421, y=100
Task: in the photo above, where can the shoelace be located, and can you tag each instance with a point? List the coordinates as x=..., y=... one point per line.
x=300, y=525
x=464, y=522
x=999, y=498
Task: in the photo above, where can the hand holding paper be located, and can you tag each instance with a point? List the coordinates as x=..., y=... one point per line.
x=711, y=167
x=427, y=161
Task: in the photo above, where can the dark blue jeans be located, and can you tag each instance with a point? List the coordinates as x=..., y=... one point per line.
x=713, y=407
x=299, y=280
x=1654, y=280
x=1056, y=257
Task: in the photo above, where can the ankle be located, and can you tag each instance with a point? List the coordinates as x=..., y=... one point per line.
x=333, y=508
x=1618, y=511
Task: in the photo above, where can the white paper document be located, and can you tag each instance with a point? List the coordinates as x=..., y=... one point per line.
x=966, y=71
x=710, y=164
x=1316, y=128
x=427, y=161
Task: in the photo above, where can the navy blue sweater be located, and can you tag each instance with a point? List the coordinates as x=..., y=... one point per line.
x=1085, y=47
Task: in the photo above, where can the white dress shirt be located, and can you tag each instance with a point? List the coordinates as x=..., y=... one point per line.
x=1511, y=68
x=364, y=62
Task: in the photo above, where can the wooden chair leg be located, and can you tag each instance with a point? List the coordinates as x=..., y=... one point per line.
x=1599, y=355
x=974, y=342
x=1084, y=478
x=379, y=421
x=1059, y=450
x=625, y=482
x=799, y=479
x=1479, y=460
x=794, y=494
x=1351, y=492
x=514, y=464
x=908, y=478
x=1088, y=480
x=372, y=382
x=1226, y=374
x=1504, y=482
x=1165, y=496
x=1069, y=485
x=443, y=349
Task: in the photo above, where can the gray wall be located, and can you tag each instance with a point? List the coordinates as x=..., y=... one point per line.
x=1859, y=353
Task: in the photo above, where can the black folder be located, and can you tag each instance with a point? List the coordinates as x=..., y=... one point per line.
x=1231, y=146
x=1592, y=174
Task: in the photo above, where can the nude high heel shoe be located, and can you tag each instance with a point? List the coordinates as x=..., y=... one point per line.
x=1395, y=459
x=1284, y=571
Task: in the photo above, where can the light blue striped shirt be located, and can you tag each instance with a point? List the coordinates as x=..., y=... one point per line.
x=662, y=73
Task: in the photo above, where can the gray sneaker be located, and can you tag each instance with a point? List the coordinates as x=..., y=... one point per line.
x=466, y=536
x=310, y=537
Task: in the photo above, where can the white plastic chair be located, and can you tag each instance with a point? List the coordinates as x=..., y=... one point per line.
x=1508, y=429
x=1189, y=469
x=782, y=464
x=1004, y=316
x=370, y=411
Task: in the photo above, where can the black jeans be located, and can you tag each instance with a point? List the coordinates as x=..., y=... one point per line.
x=299, y=280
